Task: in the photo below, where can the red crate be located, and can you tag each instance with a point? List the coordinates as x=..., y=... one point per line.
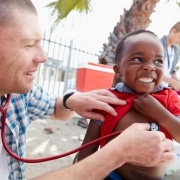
x=94, y=76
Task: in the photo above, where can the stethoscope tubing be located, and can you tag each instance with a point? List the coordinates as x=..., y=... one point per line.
x=4, y=108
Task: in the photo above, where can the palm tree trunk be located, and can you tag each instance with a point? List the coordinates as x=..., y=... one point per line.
x=137, y=17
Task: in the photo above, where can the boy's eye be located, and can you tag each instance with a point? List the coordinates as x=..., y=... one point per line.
x=159, y=61
x=137, y=59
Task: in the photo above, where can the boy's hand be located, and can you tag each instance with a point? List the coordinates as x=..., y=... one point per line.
x=147, y=105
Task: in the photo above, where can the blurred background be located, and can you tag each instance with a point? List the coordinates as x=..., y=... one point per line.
x=78, y=32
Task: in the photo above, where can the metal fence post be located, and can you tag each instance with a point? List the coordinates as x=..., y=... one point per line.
x=66, y=75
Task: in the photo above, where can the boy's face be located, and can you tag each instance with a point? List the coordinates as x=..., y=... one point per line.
x=141, y=66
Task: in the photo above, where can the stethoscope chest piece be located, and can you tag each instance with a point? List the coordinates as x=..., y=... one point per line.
x=154, y=126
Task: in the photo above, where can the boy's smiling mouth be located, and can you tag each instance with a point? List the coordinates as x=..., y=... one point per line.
x=146, y=79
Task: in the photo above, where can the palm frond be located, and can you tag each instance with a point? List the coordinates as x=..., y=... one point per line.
x=62, y=8
x=177, y=2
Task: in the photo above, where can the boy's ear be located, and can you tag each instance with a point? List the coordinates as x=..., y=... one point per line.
x=116, y=69
x=117, y=75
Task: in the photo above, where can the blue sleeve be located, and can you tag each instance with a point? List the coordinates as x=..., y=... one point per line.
x=41, y=103
x=98, y=122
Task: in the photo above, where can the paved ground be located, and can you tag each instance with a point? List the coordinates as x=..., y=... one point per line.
x=40, y=143
x=48, y=138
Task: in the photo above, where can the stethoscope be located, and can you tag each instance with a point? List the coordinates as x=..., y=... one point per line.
x=3, y=110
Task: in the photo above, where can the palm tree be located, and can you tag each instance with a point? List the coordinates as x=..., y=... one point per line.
x=137, y=17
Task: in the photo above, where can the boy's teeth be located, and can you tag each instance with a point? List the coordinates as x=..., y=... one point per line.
x=146, y=79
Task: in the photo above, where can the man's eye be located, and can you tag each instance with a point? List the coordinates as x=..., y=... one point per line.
x=30, y=45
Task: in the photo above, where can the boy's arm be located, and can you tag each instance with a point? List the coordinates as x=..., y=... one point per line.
x=93, y=132
x=151, y=108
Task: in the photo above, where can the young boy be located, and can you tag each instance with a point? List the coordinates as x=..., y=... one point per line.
x=139, y=66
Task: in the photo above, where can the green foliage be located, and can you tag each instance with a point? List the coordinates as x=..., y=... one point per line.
x=177, y=2
x=61, y=8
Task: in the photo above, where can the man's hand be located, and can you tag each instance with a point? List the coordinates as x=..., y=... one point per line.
x=85, y=103
x=143, y=147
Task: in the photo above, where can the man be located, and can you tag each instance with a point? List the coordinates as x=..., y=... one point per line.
x=172, y=53
x=20, y=55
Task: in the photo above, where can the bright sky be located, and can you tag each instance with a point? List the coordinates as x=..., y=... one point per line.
x=93, y=29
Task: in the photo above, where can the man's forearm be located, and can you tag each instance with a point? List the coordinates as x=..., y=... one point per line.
x=95, y=167
x=174, y=76
x=130, y=146
x=167, y=79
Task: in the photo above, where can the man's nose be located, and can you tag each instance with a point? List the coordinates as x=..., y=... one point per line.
x=44, y=56
x=41, y=57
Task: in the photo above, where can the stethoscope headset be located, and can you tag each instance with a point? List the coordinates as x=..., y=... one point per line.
x=3, y=110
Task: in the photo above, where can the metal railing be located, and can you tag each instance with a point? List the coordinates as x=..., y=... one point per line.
x=59, y=73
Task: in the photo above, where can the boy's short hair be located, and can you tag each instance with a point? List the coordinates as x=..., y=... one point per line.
x=120, y=46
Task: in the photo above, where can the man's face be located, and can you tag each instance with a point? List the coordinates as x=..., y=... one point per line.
x=20, y=53
x=141, y=66
x=175, y=37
